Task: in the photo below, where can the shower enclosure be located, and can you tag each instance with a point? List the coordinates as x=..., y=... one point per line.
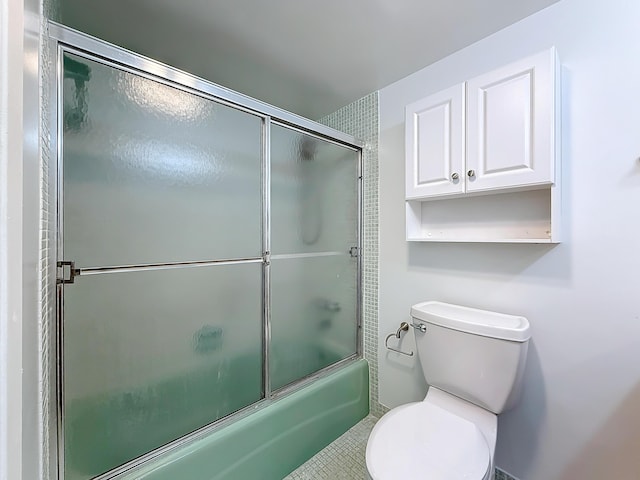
x=208, y=254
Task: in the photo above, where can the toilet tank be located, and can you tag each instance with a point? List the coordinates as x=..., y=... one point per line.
x=474, y=354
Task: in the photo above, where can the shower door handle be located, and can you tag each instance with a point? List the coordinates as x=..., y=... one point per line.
x=72, y=271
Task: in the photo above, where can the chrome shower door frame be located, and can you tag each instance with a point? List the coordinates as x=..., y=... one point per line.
x=64, y=39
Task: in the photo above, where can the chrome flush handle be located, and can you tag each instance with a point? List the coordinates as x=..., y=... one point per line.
x=420, y=326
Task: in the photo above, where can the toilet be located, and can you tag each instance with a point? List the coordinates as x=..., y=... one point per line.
x=473, y=361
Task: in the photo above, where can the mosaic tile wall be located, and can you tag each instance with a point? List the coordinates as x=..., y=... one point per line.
x=360, y=119
x=49, y=9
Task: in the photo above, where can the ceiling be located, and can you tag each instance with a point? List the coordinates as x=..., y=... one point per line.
x=309, y=57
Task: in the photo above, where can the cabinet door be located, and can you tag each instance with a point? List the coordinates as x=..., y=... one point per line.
x=511, y=125
x=435, y=144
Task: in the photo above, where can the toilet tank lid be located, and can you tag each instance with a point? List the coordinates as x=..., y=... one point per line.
x=473, y=320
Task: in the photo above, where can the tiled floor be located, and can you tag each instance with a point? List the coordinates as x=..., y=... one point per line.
x=340, y=460
x=344, y=458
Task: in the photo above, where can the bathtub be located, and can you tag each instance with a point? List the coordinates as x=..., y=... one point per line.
x=274, y=440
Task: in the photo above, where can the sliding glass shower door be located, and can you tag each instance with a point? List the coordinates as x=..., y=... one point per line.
x=207, y=258
x=159, y=186
x=314, y=276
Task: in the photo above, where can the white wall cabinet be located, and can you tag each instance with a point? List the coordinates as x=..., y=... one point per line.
x=435, y=144
x=494, y=134
x=511, y=125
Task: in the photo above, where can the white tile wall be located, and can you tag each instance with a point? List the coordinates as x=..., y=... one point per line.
x=47, y=239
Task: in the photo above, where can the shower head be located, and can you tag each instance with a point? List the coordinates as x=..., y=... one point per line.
x=76, y=116
x=77, y=71
x=307, y=149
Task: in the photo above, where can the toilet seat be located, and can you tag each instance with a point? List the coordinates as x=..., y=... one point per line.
x=422, y=441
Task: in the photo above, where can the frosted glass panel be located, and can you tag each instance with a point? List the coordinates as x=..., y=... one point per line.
x=154, y=174
x=152, y=355
x=313, y=194
x=313, y=315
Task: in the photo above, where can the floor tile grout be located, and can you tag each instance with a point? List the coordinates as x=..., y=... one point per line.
x=343, y=459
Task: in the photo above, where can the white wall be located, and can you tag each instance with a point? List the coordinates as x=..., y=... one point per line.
x=21, y=388
x=11, y=52
x=580, y=415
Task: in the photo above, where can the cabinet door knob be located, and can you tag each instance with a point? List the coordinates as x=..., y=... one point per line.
x=471, y=173
x=454, y=176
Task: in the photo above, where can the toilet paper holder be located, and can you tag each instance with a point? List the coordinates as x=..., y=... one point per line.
x=404, y=327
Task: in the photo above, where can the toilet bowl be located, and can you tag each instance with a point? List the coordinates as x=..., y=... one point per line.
x=451, y=438
x=473, y=361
